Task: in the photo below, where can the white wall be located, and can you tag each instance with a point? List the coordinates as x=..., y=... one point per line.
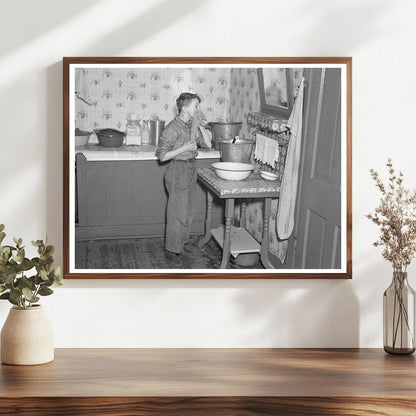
x=380, y=36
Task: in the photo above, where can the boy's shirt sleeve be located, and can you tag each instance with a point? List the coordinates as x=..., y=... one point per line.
x=166, y=142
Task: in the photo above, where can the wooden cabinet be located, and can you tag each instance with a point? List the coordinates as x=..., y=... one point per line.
x=127, y=198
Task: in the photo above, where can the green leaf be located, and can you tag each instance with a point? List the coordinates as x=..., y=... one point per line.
x=15, y=294
x=21, y=255
x=2, y=236
x=26, y=264
x=25, y=282
x=43, y=274
x=37, y=280
x=11, y=247
x=7, y=296
x=45, y=291
x=2, y=288
x=49, y=250
x=47, y=260
x=28, y=294
x=58, y=276
x=1, y=227
x=5, y=249
x=8, y=277
x=14, y=302
x=4, y=253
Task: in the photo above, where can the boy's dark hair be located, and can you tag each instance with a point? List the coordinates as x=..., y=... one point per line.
x=184, y=98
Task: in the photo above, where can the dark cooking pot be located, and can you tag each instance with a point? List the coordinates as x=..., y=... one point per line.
x=110, y=137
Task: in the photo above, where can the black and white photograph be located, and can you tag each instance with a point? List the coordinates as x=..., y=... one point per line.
x=213, y=168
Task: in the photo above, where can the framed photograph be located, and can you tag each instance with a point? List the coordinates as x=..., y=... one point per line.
x=207, y=167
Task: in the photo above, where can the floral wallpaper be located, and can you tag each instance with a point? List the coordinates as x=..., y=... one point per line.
x=244, y=97
x=150, y=93
x=228, y=94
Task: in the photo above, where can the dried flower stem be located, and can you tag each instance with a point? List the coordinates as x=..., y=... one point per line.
x=396, y=216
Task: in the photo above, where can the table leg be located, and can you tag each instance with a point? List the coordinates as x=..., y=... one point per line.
x=207, y=235
x=229, y=214
x=243, y=210
x=264, y=250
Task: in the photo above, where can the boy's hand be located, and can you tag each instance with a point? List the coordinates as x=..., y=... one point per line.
x=189, y=146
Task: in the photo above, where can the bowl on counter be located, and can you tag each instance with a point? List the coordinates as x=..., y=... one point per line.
x=110, y=137
x=270, y=176
x=232, y=171
x=81, y=137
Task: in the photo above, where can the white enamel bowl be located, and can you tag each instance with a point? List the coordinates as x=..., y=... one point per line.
x=270, y=176
x=232, y=171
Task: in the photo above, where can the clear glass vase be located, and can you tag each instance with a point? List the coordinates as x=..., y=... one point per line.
x=399, y=316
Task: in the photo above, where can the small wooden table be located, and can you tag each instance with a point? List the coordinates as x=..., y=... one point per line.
x=253, y=187
x=220, y=382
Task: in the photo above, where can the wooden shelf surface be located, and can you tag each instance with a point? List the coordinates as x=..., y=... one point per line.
x=222, y=381
x=241, y=240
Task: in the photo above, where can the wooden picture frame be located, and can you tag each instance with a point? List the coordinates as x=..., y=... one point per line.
x=324, y=79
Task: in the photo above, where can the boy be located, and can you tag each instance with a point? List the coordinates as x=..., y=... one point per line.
x=177, y=145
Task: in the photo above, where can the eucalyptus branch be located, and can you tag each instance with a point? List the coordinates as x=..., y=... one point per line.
x=16, y=284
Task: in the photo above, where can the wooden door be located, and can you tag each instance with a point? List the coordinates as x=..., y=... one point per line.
x=317, y=232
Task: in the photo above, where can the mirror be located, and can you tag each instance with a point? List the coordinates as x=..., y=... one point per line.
x=276, y=94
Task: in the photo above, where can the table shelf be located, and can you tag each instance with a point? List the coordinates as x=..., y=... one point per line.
x=241, y=240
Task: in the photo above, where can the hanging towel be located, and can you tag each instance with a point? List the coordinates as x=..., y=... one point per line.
x=267, y=150
x=81, y=87
x=199, y=119
x=205, y=138
x=198, y=133
x=288, y=189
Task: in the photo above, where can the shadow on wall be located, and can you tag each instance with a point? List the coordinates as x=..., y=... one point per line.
x=156, y=18
x=37, y=18
x=312, y=18
x=301, y=314
x=160, y=16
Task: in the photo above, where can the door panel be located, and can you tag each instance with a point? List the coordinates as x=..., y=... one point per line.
x=313, y=249
x=318, y=229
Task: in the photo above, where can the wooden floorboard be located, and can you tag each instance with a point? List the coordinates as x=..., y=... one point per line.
x=147, y=253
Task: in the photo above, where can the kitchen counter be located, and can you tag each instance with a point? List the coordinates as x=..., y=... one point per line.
x=95, y=152
x=121, y=193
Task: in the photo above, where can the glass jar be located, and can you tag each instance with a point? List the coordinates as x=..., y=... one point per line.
x=146, y=132
x=399, y=316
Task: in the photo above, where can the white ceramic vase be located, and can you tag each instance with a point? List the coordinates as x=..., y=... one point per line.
x=27, y=337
